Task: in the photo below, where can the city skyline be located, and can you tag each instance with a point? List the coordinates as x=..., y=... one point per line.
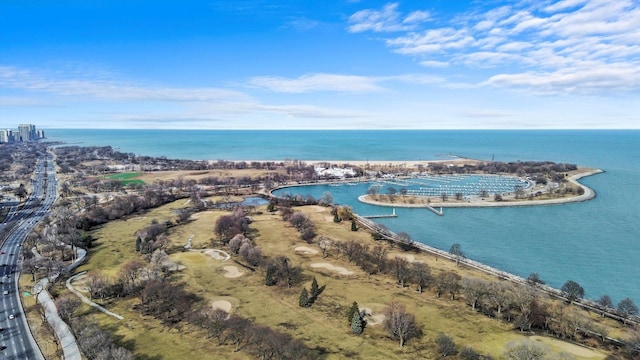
x=338, y=65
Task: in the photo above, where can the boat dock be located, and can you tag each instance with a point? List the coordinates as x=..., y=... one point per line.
x=437, y=212
x=392, y=215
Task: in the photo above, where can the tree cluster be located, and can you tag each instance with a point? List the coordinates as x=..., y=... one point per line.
x=228, y=226
x=95, y=343
x=152, y=237
x=243, y=335
x=120, y=206
x=301, y=223
x=307, y=298
x=244, y=247
x=375, y=261
x=18, y=160
x=280, y=271
x=165, y=300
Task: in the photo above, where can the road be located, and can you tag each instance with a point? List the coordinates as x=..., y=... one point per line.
x=15, y=337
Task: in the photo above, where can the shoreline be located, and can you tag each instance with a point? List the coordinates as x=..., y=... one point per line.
x=363, y=163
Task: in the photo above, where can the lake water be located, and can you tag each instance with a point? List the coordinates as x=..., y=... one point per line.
x=595, y=243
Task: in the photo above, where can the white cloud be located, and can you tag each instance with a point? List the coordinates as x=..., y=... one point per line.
x=388, y=19
x=15, y=78
x=573, y=46
x=417, y=17
x=434, y=63
x=563, y=5
x=315, y=83
x=589, y=81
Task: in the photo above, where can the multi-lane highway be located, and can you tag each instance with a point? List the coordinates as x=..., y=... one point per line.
x=16, y=340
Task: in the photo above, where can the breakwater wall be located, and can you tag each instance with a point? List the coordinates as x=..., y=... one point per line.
x=586, y=304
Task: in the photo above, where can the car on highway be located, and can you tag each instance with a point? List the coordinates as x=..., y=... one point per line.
x=6, y=292
x=11, y=317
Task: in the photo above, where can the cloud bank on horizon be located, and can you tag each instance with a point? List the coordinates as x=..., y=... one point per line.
x=346, y=65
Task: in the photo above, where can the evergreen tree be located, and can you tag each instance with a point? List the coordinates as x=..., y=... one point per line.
x=354, y=227
x=304, y=298
x=353, y=310
x=356, y=324
x=138, y=244
x=336, y=218
x=270, y=278
x=314, y=288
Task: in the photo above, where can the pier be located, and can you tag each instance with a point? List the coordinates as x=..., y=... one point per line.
x=392, y=215
x=437, y=212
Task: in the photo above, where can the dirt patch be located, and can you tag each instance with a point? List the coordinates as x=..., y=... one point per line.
x=409, y=257
x=222, y=305
x=306, y=250
x=231, y=271
x=372, y=318
x=338, y=269
x=569, y=348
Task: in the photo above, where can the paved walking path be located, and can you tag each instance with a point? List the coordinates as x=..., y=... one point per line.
x=86, y=300
x=68, y=342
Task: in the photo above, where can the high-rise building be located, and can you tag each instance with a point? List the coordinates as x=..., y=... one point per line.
x=6, y=136
x=27, y=132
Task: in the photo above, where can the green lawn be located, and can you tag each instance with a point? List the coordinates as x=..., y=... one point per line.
x=127, y=178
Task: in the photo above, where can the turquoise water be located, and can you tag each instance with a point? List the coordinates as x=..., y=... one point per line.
x=596, y=243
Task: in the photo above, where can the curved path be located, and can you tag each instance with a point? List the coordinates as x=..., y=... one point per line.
x=86, y=300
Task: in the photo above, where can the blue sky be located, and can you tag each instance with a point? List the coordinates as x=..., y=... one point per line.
x=253, y=64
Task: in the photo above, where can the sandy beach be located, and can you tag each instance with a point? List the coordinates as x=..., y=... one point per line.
x=375, y=163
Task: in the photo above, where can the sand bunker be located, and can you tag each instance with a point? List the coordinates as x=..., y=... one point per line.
x=306, y=250
x=216, y=254
x=372, y=318
x=338, y=269
x=222, y=305
x=231, y=271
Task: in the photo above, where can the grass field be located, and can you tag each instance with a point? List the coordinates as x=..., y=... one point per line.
x=127, y=178
x=322, y=326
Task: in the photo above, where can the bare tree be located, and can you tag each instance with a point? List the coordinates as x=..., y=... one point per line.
x=97, y=285
x=238, y=333
x=572, y=291
x=525, y=350
x=129, y=274
x=401, y=270
x=399, y=324
x=474, y=290
x=324, y=243
x=606, y=303
x=421, y=275
x=446, y=345
x=500, y=296
x=456, y=251
x=67, y=305
x=213, y=321
x=627, y=308
x=447, y=282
